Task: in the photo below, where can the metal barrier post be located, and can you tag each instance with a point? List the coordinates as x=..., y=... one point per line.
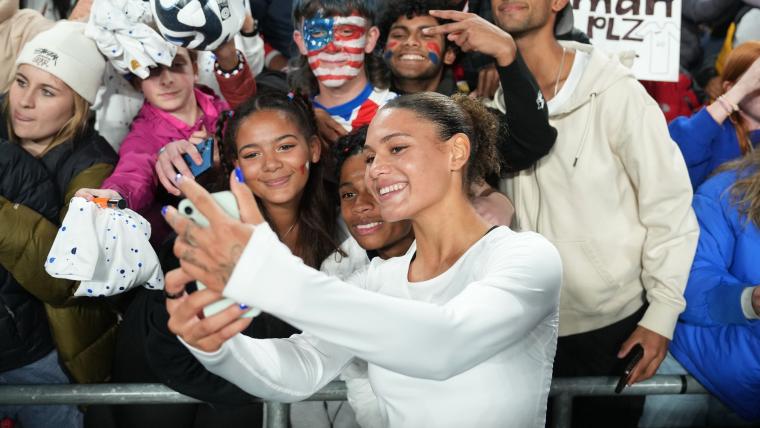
x=562, y=410
x=276, y=415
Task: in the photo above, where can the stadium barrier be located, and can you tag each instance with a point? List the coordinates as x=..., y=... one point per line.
x=276, y=415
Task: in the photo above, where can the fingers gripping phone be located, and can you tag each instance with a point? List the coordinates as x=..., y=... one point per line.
x=634, y=356
x=206, y=150
x=226, y=200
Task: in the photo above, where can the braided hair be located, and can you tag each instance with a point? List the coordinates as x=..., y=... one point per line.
x=317, y=216
x=348, y=145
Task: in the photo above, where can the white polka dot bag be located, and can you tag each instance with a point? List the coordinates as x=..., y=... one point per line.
x=106, y=249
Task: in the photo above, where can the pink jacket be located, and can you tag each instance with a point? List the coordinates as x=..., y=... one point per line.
x=135, y=176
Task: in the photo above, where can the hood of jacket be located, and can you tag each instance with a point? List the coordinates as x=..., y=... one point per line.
x=602, y=72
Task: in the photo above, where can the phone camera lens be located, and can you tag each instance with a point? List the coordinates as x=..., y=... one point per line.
x=189, y=210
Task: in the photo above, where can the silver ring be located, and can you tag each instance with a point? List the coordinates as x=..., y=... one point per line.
x=161, y=150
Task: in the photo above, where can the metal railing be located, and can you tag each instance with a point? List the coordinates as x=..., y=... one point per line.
x=276, y=414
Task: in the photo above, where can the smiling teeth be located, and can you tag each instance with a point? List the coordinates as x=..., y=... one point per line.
x=413, y=57
x=368, y=225
x=391, y=188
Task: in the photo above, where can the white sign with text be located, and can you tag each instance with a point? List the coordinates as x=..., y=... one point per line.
x=651, y=28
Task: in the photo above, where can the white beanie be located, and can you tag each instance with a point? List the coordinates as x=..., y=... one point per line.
x=66, y=53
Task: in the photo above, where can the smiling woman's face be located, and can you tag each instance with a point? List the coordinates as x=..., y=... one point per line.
x=40, y=104
x=409, y=167
x=361, y=211
x=275, y=156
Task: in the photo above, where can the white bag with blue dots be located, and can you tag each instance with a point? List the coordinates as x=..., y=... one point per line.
x=106, y=249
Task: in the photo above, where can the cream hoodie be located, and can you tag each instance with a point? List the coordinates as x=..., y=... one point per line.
x=614, y=197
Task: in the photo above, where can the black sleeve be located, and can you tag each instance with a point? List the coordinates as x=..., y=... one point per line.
x=525, y=134
x=177, y=368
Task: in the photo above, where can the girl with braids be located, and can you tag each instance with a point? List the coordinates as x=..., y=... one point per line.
x=459, y=331
x=730, y=126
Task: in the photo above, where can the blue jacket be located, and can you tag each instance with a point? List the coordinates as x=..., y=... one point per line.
x=705, y=144
x=713, y=340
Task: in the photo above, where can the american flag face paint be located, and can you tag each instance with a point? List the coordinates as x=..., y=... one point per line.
x=335, y=47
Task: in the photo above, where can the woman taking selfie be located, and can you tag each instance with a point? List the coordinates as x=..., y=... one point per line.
x=460, y=330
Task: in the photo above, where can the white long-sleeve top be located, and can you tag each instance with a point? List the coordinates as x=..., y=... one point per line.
x=471, y=347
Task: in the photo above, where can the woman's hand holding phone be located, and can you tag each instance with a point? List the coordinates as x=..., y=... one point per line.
x=209, y=255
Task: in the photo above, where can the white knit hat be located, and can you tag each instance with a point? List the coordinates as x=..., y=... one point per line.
x=66, y=53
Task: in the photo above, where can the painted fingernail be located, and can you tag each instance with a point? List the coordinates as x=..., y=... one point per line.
x=163, y=210
x=178, y=178
x=243, y=307
x=239, y=175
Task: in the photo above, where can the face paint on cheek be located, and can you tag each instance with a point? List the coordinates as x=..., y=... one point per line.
x=389, y=50
x=434, y=52
x=336, y=47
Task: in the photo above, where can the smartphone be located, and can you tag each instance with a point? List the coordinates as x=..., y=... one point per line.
x=226, y=200
x=206, y=150
x=634, y=356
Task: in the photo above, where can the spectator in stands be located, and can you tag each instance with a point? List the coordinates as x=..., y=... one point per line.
x=337, y=65
x=417, y=64
x=459, y=331
x=174, y=109
x=613, y=196
x=717, y=338
x=47, y=115
x=16, y=28
x=730, y=126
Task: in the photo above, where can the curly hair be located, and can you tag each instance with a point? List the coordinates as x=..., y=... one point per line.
x=317, y=216
x=395, y=9
x=459, y=114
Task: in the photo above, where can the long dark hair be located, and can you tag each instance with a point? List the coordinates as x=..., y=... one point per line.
x=300, y=76
x=317, y=213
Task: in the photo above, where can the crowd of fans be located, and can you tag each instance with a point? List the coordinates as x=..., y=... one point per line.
x=647, y=192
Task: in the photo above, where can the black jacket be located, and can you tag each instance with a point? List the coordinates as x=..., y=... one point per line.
x=24, y=331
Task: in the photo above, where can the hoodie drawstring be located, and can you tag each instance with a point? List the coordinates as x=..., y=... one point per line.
x=586, y=129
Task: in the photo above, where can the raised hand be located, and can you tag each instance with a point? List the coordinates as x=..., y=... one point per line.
x=207, y=334
x=170, y=162
x=474, y=34
x=209, y=254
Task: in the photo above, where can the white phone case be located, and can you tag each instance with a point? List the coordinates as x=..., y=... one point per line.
x=226, y=200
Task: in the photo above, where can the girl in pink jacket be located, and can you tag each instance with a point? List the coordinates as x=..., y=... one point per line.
x=174, y=109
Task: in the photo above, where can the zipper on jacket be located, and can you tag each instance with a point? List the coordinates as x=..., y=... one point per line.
x=578, y=152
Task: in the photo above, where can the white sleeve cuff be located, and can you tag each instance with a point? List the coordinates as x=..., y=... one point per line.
x=749, y=311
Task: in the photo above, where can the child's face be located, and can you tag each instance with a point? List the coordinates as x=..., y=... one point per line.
x=171, y=88
x=335, y=46
x=361, y=210
x=275, y=156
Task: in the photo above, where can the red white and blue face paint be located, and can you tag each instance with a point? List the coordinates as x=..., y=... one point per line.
x=335, y=47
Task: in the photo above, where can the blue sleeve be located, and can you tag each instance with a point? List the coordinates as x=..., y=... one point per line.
x=713, y=293
x=694, y=136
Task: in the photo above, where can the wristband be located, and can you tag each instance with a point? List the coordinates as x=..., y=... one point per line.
x=227, y=74
x=252, y=33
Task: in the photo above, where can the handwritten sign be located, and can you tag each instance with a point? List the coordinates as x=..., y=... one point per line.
x=651, y=28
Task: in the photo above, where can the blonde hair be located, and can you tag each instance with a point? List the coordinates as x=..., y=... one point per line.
x=75, y=127
x=745, y=192
x=737, y=63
